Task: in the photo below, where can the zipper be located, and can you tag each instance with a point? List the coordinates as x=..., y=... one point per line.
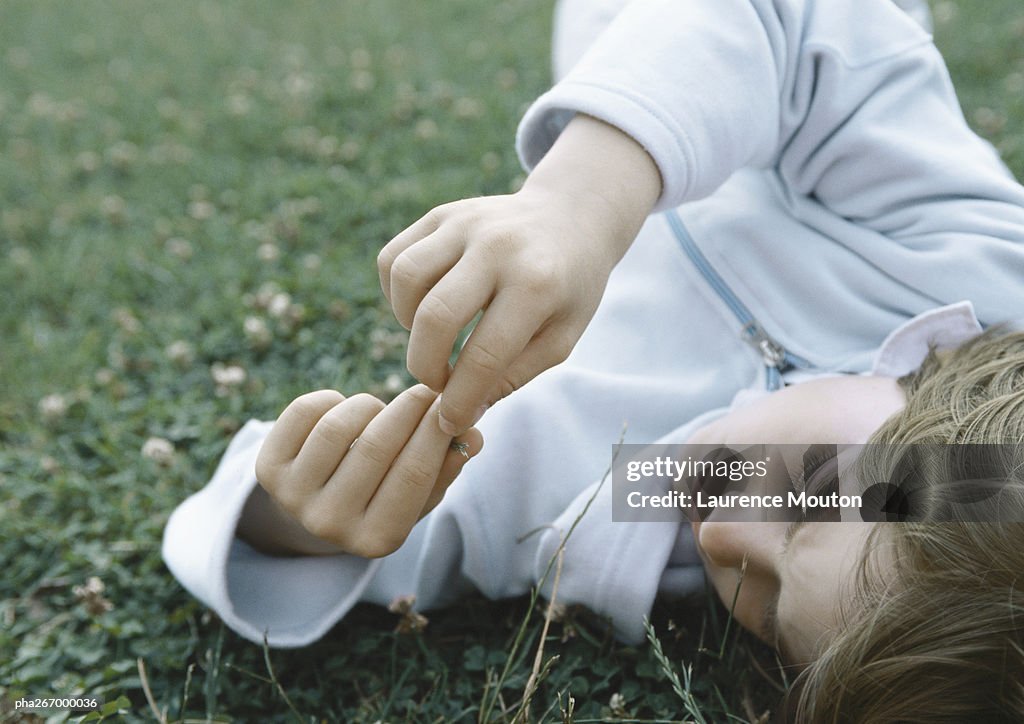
x=776, y=358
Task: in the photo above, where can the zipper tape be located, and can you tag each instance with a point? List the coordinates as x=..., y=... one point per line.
x=777, y=359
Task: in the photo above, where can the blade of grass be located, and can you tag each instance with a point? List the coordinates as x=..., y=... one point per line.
x=681, y=688
x=487, y=706
x=536, y=675
x=160, y=716
x=277, y=684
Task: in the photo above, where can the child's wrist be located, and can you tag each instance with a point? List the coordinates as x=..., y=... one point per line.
x=267, y=527
x=600, y=175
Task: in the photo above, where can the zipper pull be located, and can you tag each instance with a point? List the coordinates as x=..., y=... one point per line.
x=773, y=353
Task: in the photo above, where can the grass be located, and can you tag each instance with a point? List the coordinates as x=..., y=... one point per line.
x=191, y=198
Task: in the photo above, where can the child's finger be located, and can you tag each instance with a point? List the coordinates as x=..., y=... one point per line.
x=419, y=268
x=462, y=450
x=425, y=226
x=440, y=316
x=360, y=473
x=507, y=326
x=396, y=506
x=292, y=428
x=327, y=444
x=547, y=349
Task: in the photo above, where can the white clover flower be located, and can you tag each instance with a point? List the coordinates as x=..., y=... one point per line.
x=618, y=705
x=201, y=210
x=410, y=620
x=394, y=383
x=122, y=154
x=114, y=208
x=426, y=129
x=180, y=352
x=327, y=147
x=88, y=161
x=384, y=341
x=362, y=81
x=468, y=108
x=490, y=162
x=279, y=304
x=507, y=78
x=158, y=450
x=265, y=293
x=298, y=85
x=442, y=91
x=350, y=150
x=944, y=12
x=989, y=121
x=180, y=248
x=20, y=256
x=126, y=320
x=302, y=138
x=53, y=407
x=91, y=595
x=40, y=104
x=257, y=331
x=227, y=377
x=268, y=252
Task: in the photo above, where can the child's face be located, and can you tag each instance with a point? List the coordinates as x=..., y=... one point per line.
x=797, y=574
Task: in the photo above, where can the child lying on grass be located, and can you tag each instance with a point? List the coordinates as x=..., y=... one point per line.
x=826, y=212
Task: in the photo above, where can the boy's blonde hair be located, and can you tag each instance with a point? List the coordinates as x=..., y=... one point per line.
x=939, y=638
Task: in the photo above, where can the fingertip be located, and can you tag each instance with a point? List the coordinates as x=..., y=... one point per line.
x=474, y=440
x=465, y=447
x=321, y=397
x=365, y=399
x=426, y=375
x=403, y=321
x=447, y=427
x=450, y=424
x=421, y=393
x=309, y=407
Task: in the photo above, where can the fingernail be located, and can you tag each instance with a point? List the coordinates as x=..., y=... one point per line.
x=446, y=427
x=449, y=429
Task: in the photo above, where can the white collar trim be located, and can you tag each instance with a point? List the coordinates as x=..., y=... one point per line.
x=943, y=328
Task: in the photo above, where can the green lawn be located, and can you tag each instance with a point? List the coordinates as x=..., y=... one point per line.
x=192, y=189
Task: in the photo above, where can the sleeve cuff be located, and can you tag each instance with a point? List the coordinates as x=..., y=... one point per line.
x=632, y=113
x=255, y=594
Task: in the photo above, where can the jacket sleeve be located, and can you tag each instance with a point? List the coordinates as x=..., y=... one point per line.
x=847, y=102
x=290, y=600
x=848, y=99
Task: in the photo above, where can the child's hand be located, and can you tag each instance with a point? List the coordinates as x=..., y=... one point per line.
x=537, y=269
x=536, y=262
x=358, y=474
